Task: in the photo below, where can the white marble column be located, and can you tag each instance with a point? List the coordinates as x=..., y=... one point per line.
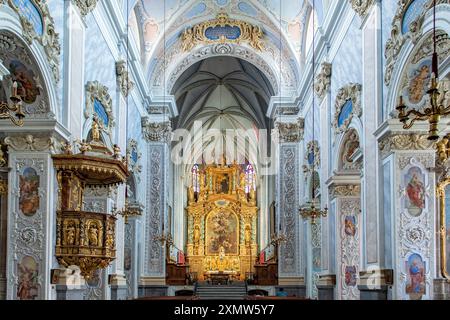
x=157, y=135
x=290, y=135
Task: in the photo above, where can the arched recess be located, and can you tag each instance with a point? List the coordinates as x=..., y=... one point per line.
x=345, y=196
x=28, y=68
x=401, y=47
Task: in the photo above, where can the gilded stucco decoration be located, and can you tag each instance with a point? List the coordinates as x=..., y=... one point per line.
x=213, y=31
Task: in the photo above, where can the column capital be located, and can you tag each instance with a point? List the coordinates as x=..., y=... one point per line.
x=156, y=131
x=85, y=6
x=289, y=131
x=362, y=6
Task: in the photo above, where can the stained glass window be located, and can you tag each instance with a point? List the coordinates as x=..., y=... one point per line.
x=29, y=10
x=413, y=11
x=250, y=179
x=196, y=178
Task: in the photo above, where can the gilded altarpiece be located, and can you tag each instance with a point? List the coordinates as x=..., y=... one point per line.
x=222, y=223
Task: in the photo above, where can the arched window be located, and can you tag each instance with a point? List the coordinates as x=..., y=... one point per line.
x=196, y=178
x=250, y=179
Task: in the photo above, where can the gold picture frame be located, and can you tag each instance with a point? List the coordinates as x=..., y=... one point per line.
x=441, y=192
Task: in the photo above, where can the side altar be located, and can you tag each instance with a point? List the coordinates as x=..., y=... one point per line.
x=222, y=222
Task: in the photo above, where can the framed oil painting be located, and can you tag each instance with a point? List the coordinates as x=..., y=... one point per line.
x=444, y=202
x=222, y=233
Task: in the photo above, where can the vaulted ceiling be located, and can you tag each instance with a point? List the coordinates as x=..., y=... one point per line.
x=224, y=93
x=221, y=94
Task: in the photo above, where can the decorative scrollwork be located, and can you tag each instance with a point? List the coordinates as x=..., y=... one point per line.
x=213, y=31
x=351, y=92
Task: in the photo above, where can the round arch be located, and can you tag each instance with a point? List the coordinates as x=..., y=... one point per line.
x=409, y=47
x=10, y=24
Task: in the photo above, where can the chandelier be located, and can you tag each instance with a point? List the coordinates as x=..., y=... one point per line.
x=436, y=109
x=313, y=213
x=13, y=112
x=131, y=209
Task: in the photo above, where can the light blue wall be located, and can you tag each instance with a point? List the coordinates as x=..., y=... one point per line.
x=347, y=65
x=100, y=63
x=56, y=8
x=388, y=11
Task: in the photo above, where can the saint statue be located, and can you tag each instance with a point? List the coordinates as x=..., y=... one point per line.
x=93, y=235
x=70, y=234
x=191, y=194
x=196, y=235
x=248, y=235
x=95, y=130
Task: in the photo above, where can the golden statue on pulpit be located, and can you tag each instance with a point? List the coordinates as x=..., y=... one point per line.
x=222, y=220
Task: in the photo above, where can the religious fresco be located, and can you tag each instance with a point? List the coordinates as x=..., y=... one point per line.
x=28, y=272
x=350, y=276
x=26, y=80
x=419, y=80
x=350, y=226
x=222, y=232
x=29, y=201
x=415, y=191
x=415, y=270
x=415, y=8
x=30, y=11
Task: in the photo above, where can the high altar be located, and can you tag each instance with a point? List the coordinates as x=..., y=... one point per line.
x=222, y=222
